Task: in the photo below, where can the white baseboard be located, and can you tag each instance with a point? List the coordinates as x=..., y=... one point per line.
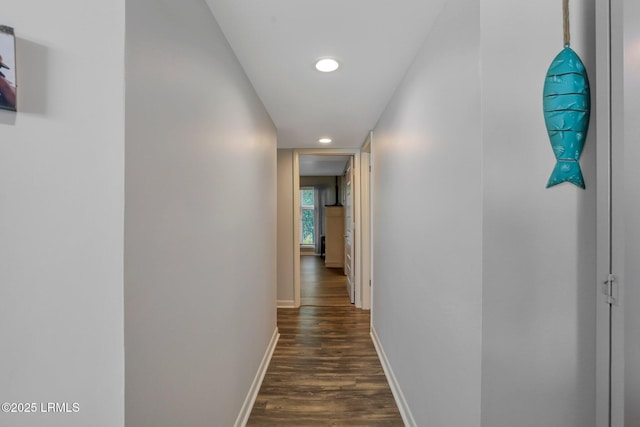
x=403, y=407
x=285, y=303
x=334, y=264
x=247, y=406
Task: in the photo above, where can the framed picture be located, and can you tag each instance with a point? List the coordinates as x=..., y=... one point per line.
x=8, y=87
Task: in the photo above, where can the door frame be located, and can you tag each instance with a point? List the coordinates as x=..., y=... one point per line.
x=348, y=181
x=366, y=237
x=610, y=247
x=355, y=152
x=603, y=191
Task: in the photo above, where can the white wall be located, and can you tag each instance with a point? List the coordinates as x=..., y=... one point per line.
x=61, y=214
x=539, y=282
x=285, y=228
x=427, y=225
x=484, y=281
x=200, y=221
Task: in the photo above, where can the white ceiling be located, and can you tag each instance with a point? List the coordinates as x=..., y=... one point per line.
x=277, y=42
x=318, y=165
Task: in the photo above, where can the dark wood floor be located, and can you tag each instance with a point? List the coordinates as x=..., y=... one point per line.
x=325, y=370
x=322, y=286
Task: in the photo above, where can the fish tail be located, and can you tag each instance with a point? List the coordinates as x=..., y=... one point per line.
x=566, y=171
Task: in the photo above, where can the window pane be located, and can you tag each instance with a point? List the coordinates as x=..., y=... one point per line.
x=307, y=227
x=306, y=197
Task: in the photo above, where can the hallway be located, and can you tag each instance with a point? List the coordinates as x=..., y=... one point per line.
x=151, y=213
x=325, y=370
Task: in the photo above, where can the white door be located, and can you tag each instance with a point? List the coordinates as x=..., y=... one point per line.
x=349, y=231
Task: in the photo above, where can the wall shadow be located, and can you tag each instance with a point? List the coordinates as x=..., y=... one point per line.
x=7, y=117
x=32, y=77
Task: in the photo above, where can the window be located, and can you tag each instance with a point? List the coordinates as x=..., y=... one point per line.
x=307, y=216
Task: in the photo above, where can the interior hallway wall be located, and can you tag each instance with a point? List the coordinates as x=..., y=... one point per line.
x=484, y=281
x=539, y=259
x=200, y=271
x=427, y=289
x=285, y=228
x=61, y=215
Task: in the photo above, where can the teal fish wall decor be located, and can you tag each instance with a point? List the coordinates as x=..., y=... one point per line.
x=567, y=106
x=566, y=102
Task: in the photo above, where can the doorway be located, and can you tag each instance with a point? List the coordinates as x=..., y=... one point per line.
x=352, y=157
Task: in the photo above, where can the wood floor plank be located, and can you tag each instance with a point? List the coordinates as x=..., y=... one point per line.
x=320, y=285
x=325, y=370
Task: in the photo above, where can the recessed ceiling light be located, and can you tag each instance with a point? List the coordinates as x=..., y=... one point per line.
x=324, y=140
x=327, y=65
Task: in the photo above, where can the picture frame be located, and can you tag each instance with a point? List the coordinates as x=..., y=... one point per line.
x=8, y=75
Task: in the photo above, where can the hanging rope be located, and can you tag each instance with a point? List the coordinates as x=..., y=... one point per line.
x=565, y=22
